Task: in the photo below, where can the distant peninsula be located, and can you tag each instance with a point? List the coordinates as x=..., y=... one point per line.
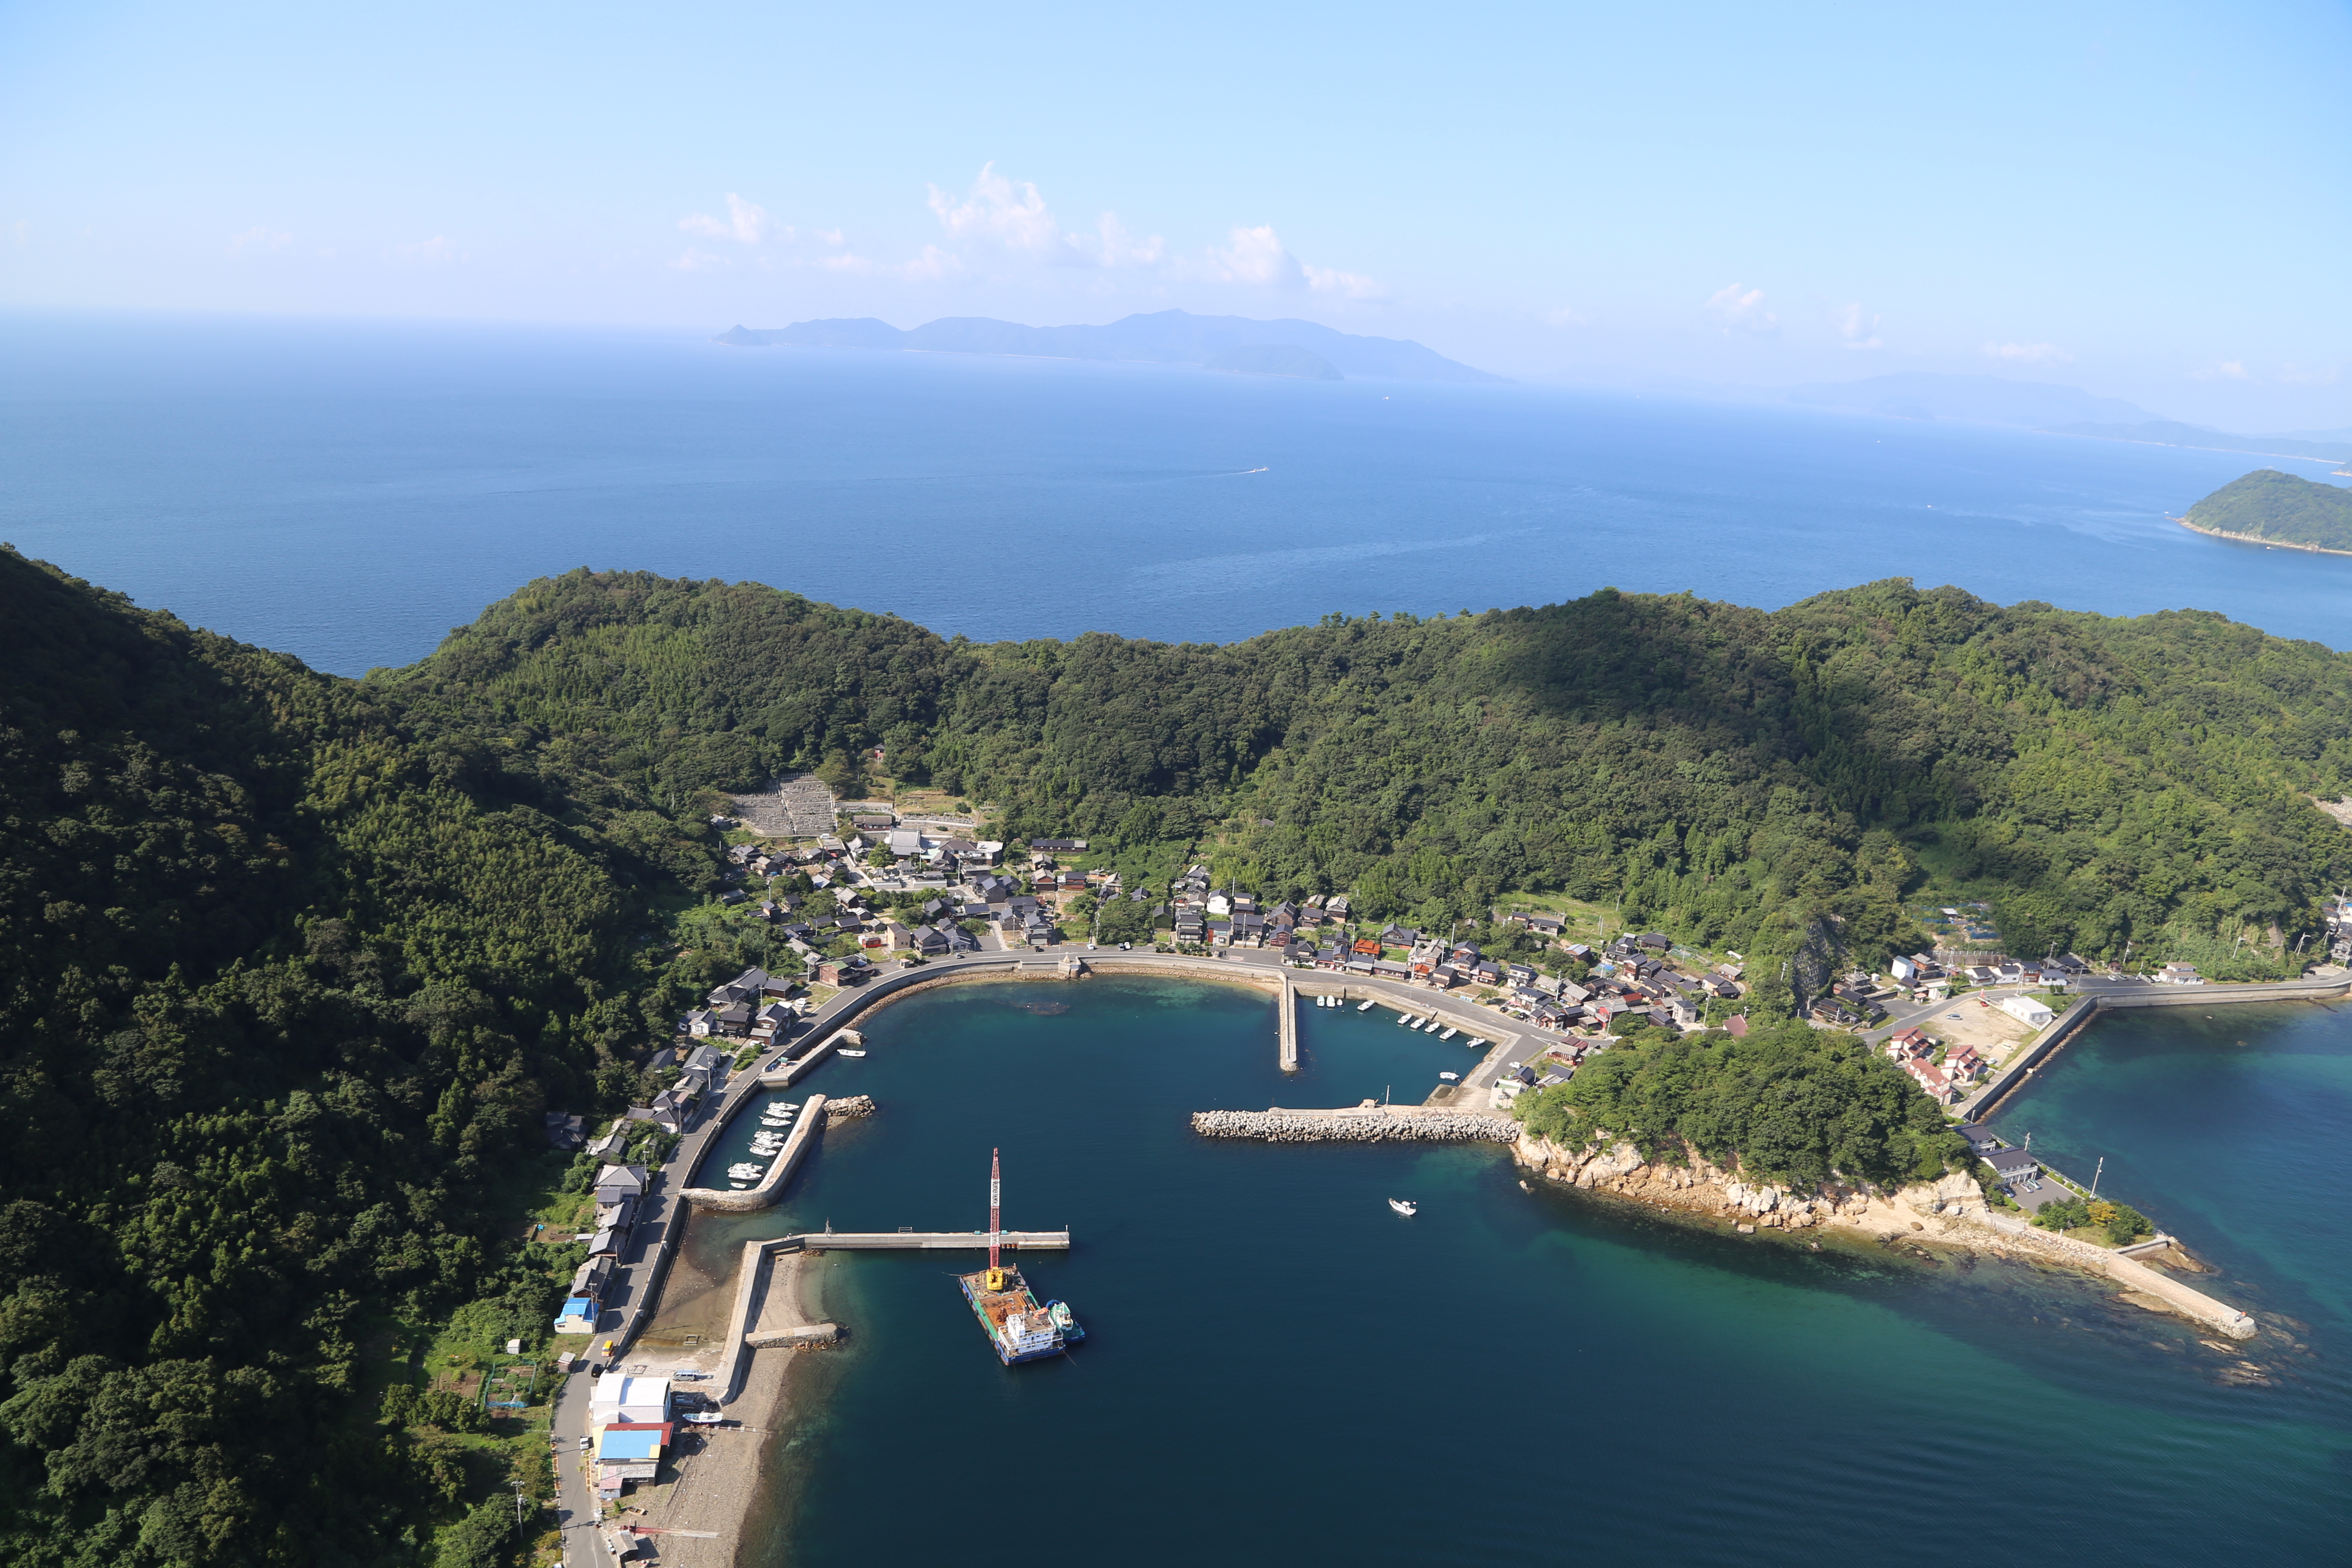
x=2268, y=507
x=1161, y=337
x=2332, y=446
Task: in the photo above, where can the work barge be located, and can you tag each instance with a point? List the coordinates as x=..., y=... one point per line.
x=1019, y=1327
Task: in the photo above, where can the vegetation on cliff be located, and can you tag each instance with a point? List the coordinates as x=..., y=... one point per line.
x=286, y=977
x=2268, y=504
x=1740, y=777
x=1786, y=1103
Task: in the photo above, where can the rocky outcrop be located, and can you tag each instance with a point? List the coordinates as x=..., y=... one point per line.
x=843, y=1109
x=1409, y=1124
x=1949, y=1212
x=1700, y=1185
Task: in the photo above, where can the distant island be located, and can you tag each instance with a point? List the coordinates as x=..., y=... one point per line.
x=2268, y=507
x=1161, y=337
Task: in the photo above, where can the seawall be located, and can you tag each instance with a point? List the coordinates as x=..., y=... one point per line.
x=2066, y=1025
x=1362, y=1124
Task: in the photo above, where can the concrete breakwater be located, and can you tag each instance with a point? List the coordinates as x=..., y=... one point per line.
x=1374, y=1124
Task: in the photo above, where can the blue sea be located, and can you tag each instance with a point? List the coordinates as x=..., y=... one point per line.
x=347, y=492
x=1280, y=1369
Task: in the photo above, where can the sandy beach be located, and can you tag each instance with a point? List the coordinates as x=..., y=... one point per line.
x=719, y=1472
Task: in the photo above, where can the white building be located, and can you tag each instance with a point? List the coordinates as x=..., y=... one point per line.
x=2026, y=1010
x=618, y=1398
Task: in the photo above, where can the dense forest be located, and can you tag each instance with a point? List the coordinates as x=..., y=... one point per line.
x=1742, y=778
x=1786, y=1103
x=290, y=965
x=287, y=978
x=2268, y=504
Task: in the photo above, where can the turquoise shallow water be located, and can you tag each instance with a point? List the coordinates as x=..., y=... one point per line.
x=1281, y=1370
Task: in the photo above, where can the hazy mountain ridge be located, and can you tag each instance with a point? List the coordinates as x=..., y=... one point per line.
x=1161, y=337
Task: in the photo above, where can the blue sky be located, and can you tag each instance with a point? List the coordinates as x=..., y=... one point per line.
x=2150, y=201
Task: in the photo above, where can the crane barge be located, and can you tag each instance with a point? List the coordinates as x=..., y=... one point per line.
x=1007, y=1308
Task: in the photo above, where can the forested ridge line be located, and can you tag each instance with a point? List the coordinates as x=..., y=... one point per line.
x=1737, y=774
x=287, y=978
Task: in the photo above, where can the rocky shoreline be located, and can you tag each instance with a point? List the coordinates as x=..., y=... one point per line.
x=1406, y=1124
x=1948, y=1213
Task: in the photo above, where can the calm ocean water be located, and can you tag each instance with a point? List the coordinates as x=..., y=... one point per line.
x=349, y=491
x=1279, y=1369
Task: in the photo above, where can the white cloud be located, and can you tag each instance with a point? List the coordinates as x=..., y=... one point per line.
x=1856, y=328
x=1012, y=216
x=1564, y=317
x=2227, y=370
x=745, y=224
x=1257, y=257
x=258, y=238
x=1741, y=309
x=2309, y=375
x=701, y=261
x=428, y=252
x=1346, y=284
x=930, y=267
x=2029, y=353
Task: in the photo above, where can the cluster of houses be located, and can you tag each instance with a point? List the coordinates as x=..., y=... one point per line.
x=1213, y=918
x=1945, y=1082
x=619, y=1191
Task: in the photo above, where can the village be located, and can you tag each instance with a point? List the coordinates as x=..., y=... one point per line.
x=888, y=894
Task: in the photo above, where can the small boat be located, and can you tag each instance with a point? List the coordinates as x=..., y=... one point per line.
x=1450, y=1032
x=1404, y=1208
x=702, y=1418
x=1367, y=1005
x=1525, y=1188
x=1477, y=1044
x=849, y=1053
x=1064, y=1319
x=739, y=1186
x=1451, y=1076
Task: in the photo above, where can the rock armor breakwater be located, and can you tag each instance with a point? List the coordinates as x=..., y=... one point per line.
x=842, y=1109
x=1401, y=1124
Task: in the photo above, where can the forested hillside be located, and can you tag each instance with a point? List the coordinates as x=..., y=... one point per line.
x=1733, y=774
x=286, y=980
x=290, y=965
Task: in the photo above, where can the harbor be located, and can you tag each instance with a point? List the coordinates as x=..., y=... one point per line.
x=1602, y=1307
x=926, y=1042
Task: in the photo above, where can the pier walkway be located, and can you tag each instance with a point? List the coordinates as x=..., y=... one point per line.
x=1288, y=1031
x=751, y=1279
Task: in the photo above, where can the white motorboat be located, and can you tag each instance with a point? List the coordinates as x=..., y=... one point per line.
x=1404, y=1208
x=1451, y=1076
x=702, y=1417
x=848, y=1053
x=1367, y=1005
x=1450, y=1032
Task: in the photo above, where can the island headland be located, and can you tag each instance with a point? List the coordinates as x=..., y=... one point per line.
x=2283, y=510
